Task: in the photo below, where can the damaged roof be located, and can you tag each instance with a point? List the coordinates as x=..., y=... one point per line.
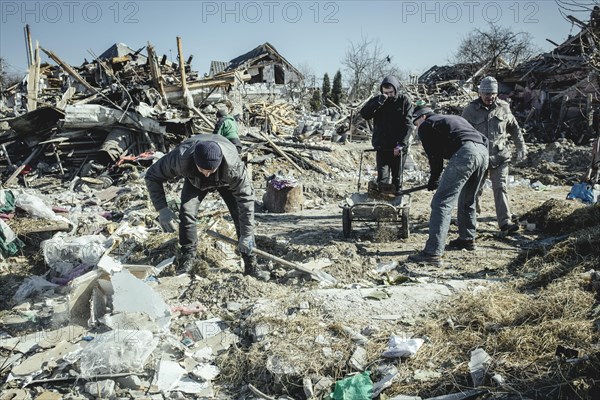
x=264, y=52
x=122, y=50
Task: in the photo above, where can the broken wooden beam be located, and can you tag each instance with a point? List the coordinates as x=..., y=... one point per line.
x=181, y=66
x=19, y=169
x=280, y=152
x=69, y=70
x=155, y=72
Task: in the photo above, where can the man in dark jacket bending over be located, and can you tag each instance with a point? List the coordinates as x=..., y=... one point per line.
x=207, y=163
x=452, y=138
x=391, y=112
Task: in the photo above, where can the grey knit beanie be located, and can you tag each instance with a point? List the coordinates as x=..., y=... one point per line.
x=489, y=84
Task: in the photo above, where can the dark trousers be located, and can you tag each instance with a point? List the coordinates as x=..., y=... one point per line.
x=388, y=167
x=191, y=197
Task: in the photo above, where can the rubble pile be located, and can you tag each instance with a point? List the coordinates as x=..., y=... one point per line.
x=553, y=96
x=98, y=314
x=122, y=104
x=91, y=309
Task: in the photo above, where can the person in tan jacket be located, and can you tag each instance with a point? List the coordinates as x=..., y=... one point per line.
x=494, y=119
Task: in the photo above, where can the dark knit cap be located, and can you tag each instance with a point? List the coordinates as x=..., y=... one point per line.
x=208, y=155
x=419, y=111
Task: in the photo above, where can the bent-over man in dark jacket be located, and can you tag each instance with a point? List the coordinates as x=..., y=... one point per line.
x=452, y=138
x=391, y=112
x=206, y=162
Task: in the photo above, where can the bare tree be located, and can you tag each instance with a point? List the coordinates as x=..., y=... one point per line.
x=576, y=6
x=302, y=89
x=497, y=43
x=2, y=75
x=366, y=65
x=9, y=75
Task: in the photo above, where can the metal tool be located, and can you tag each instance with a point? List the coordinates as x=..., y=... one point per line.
x=317, y=275
x=413, y=189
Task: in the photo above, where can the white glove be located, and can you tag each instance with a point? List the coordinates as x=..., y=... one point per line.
x=167, y=220
x=246, y=245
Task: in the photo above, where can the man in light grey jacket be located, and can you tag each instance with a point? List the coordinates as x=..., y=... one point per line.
x=207, y=163
x=493, y=118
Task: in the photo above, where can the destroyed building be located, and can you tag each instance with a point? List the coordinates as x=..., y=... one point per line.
x=127, y=101
x=264, y=64
x=554, y=95
x=288, y=337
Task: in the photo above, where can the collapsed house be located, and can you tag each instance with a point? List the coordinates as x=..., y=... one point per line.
x=554, y=95
x=79, y=120
x=264, y=64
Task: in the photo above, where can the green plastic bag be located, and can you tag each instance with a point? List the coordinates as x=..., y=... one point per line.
x=357, y=387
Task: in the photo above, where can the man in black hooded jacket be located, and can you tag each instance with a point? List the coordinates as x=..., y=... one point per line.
x=391, y=112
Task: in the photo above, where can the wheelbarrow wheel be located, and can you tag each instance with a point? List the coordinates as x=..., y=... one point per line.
x=405, y=230
x=347, y=222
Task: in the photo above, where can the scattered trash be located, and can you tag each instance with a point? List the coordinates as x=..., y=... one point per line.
x=399, y=346
x=132, y=295
x=478, y=366
x=32, y=285
x=121, y=350
x=355, y=387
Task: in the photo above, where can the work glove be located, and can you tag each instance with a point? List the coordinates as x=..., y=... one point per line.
x=397, y=150
x=433, y=184
x=382, y=98
x=246, y=245
x=167, y=219
x=521, y=154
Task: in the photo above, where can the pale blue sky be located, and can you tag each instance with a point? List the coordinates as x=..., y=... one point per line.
x=416, y=34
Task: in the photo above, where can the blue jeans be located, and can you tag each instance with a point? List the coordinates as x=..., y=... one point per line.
x=459, y=183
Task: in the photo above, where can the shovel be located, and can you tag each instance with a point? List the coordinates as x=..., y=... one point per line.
x=414, y=189
x=316, y=275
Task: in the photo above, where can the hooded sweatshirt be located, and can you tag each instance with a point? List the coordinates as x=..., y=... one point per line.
x=392, y=120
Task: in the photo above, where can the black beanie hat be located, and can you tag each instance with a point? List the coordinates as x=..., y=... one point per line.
x=419, y=111
x=208, y=155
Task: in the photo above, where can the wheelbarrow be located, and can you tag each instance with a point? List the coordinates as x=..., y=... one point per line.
x=381, y=204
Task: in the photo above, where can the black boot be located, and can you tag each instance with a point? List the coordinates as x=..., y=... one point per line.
x=251, y=268
x=250, y=265
x=186, y=263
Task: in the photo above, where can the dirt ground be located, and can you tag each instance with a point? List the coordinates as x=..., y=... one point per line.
x=311, y=330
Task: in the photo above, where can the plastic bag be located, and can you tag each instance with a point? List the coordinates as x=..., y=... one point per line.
x=399, y=346
x=63, y=253
x=32, y=284
x=35, y=206
x=355, y=387
x=121, y=350
x=582, y=191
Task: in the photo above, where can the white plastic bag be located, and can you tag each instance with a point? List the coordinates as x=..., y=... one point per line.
x=121, y=350
x=32, y=284
x=35, y=206
x=60, y=252
x=399, y=346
